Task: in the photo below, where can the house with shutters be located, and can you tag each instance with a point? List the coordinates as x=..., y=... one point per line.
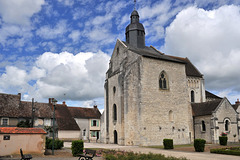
x=88, y=119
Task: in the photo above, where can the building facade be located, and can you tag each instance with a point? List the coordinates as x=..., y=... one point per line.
x=88, y=119
x=149, y=95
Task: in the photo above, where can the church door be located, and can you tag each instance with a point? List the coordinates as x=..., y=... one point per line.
x=115, y=137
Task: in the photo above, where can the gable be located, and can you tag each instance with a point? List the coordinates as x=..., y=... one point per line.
x=224, y=110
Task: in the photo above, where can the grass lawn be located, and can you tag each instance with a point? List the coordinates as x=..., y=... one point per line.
x=190, y=147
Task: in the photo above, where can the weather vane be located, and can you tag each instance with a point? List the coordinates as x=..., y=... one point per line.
x=134, y=4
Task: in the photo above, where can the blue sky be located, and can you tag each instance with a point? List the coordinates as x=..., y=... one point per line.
x=62, y=48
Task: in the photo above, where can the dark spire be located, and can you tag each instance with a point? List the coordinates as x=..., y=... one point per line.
x=135, y=33
x=134, y=4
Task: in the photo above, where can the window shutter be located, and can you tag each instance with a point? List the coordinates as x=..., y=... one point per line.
x=97, y=123
x=92, y=133
x=91, y=122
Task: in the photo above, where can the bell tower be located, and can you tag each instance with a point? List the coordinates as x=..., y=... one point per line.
x=135, y=33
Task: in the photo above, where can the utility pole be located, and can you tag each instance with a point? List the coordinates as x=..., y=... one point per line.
x=33, y=110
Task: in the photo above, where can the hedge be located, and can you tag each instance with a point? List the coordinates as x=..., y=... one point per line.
x=77, y=147
x=223, y=140
x=168, y=143
x=199, y=145
x=58, y=144
x=228, y=151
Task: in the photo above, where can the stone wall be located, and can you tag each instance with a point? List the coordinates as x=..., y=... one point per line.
x=227, y=112
x=156, y=104
x=132, y=84
x=199, y=133
x=196, y=84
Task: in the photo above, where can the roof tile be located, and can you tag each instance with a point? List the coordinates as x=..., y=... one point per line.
x=17, y=130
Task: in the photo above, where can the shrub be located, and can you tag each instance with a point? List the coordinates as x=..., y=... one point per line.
x=223, y=140
x=58, y=144
x=24, y=124
x=229, y=151
x=168, y=143
x=122, y=155
x=199, y=145
x=77, y=147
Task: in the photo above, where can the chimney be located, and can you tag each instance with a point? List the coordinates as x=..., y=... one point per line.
x=237, y=102
x=50, y=100
x=64, y=103
x=19, y=94
x=95, y=106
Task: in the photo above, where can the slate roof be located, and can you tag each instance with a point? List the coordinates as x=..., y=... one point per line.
x=17, y=130
x=85, y=113
x=65, y=121
x=151, y=52
x=235, y=106
x=205, y=108
x=12, y=106
x=211, y=95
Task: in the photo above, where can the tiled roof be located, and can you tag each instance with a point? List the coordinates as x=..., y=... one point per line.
x=205, y=108
x=65, y=121
x=12, y=106
x=211, y=95
x=86, y=113
x=17, y=130
x=191, y=70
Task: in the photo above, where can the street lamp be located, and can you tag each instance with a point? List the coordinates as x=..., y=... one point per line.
x=54, y=102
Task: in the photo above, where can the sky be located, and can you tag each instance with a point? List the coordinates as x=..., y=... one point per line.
x=62, y=48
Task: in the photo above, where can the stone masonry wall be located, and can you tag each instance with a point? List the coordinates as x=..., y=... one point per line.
x=147, y=121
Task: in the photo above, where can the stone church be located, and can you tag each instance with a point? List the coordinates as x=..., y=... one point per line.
x=150, y=96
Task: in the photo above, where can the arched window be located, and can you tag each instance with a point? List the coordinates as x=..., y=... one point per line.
x=170, y=115
x=114, y=90
x=227, y=125
x=114, y=112
x=192, y=96
x=163, y=81
x=203, y=126
x=115, y=137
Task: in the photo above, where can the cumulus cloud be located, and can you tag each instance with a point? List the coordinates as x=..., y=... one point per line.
x=63, y=76
x=20, y=11
x=210, y=39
